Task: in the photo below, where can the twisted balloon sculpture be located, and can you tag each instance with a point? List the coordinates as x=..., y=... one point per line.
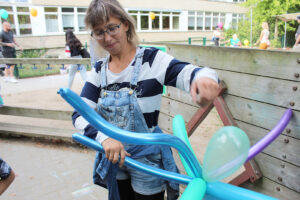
x=197, y=187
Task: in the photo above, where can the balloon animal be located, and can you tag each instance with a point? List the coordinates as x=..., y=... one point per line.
x=201, y=182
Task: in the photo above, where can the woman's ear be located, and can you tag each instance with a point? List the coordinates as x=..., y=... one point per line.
x=126, y=25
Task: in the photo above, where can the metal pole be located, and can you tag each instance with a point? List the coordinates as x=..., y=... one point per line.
x=284, y=35
x=251, y=28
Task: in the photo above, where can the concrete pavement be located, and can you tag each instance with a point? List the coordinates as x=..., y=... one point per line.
x=45, y=171
x=48, y=172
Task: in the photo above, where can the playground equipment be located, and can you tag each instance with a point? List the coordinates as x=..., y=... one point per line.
x=197, y=187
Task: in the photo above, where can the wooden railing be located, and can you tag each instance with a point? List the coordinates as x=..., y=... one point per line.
x=86, y=61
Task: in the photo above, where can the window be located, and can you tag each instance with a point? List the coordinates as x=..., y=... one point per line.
x=51, y=18
x=200, y=21
x=222, y=18
x=163, y=21
x=155, y=22
x=134, y=15
x=191, y=20
x=68, y=18
x=80, y=18
x=144, y=20
x=234, y=21
x=215, y=20
x=23, y=15
x=175, y=20
x=208, y=21
x=166, y=20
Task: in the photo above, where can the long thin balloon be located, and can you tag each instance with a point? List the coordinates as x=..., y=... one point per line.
x=122, y=135
x=164, y=174
x=195, y=190
x=271, y=136
x=215, y=189
x=179, y=130
x=228, y=191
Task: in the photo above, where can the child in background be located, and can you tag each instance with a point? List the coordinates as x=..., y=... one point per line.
x=264, y=37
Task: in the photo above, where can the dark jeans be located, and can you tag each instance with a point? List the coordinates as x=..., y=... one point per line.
x=127, y=193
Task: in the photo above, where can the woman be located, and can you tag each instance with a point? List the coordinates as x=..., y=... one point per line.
x=126, y=89
x=73, y=49
x=264, y=37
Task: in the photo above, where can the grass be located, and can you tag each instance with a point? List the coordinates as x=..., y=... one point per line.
x=28, y=70
x=39, y=70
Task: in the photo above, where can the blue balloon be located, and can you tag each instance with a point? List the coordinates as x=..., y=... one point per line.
x=216, y=190
x=164, y=174
x=126, y=136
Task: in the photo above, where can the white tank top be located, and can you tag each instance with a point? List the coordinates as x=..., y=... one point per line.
x=265, y=38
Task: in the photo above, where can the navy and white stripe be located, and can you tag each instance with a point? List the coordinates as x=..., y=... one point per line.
x=158, y=69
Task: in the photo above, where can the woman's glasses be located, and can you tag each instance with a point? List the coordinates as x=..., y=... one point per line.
x=111, y=30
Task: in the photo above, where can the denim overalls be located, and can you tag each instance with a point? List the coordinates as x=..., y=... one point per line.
x=121, y=109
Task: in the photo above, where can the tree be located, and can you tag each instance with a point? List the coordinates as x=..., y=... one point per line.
x=265, y=11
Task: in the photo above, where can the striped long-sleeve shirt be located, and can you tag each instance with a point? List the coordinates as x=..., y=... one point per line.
x=158, y=69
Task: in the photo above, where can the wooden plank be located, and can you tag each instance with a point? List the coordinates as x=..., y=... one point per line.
x=271, y=63
x=165, y=122
x=282, y=172
x=284, y=147
x=269, y=90
x=86, y=61
x=179, y=95
x=261, y=114
x=273, y=189
x=173, y=108
x=35, y=131
x=36, y=113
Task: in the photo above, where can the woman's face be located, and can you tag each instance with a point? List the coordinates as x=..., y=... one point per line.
x=114, y=35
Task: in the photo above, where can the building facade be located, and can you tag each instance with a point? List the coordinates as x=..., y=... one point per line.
x=173, y=20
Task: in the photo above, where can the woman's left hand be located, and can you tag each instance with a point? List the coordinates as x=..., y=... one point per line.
x=204, y=91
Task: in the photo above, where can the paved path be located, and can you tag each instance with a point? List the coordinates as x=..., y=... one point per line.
x=48, y=172
x=45, y=172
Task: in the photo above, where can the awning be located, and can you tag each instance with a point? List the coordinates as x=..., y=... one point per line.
x=288, y=17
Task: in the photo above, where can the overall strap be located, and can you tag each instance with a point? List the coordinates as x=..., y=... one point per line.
x=137, y=66
x=103, y=72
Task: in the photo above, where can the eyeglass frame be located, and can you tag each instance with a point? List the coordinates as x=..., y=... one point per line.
x=107, y=31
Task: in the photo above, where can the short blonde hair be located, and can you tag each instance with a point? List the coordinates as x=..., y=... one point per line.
x=99, y=11
x=265, y=25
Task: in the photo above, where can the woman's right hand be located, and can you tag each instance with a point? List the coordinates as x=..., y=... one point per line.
x=113, y=148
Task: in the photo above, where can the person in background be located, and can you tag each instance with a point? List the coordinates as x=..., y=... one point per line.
x=73, y=50
x=234, y=41
x=126, y=88
x=264, y=37
x=1, y=100
x=8, y=42
x=297, y=36
x=7, y=176
x=217, y=36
